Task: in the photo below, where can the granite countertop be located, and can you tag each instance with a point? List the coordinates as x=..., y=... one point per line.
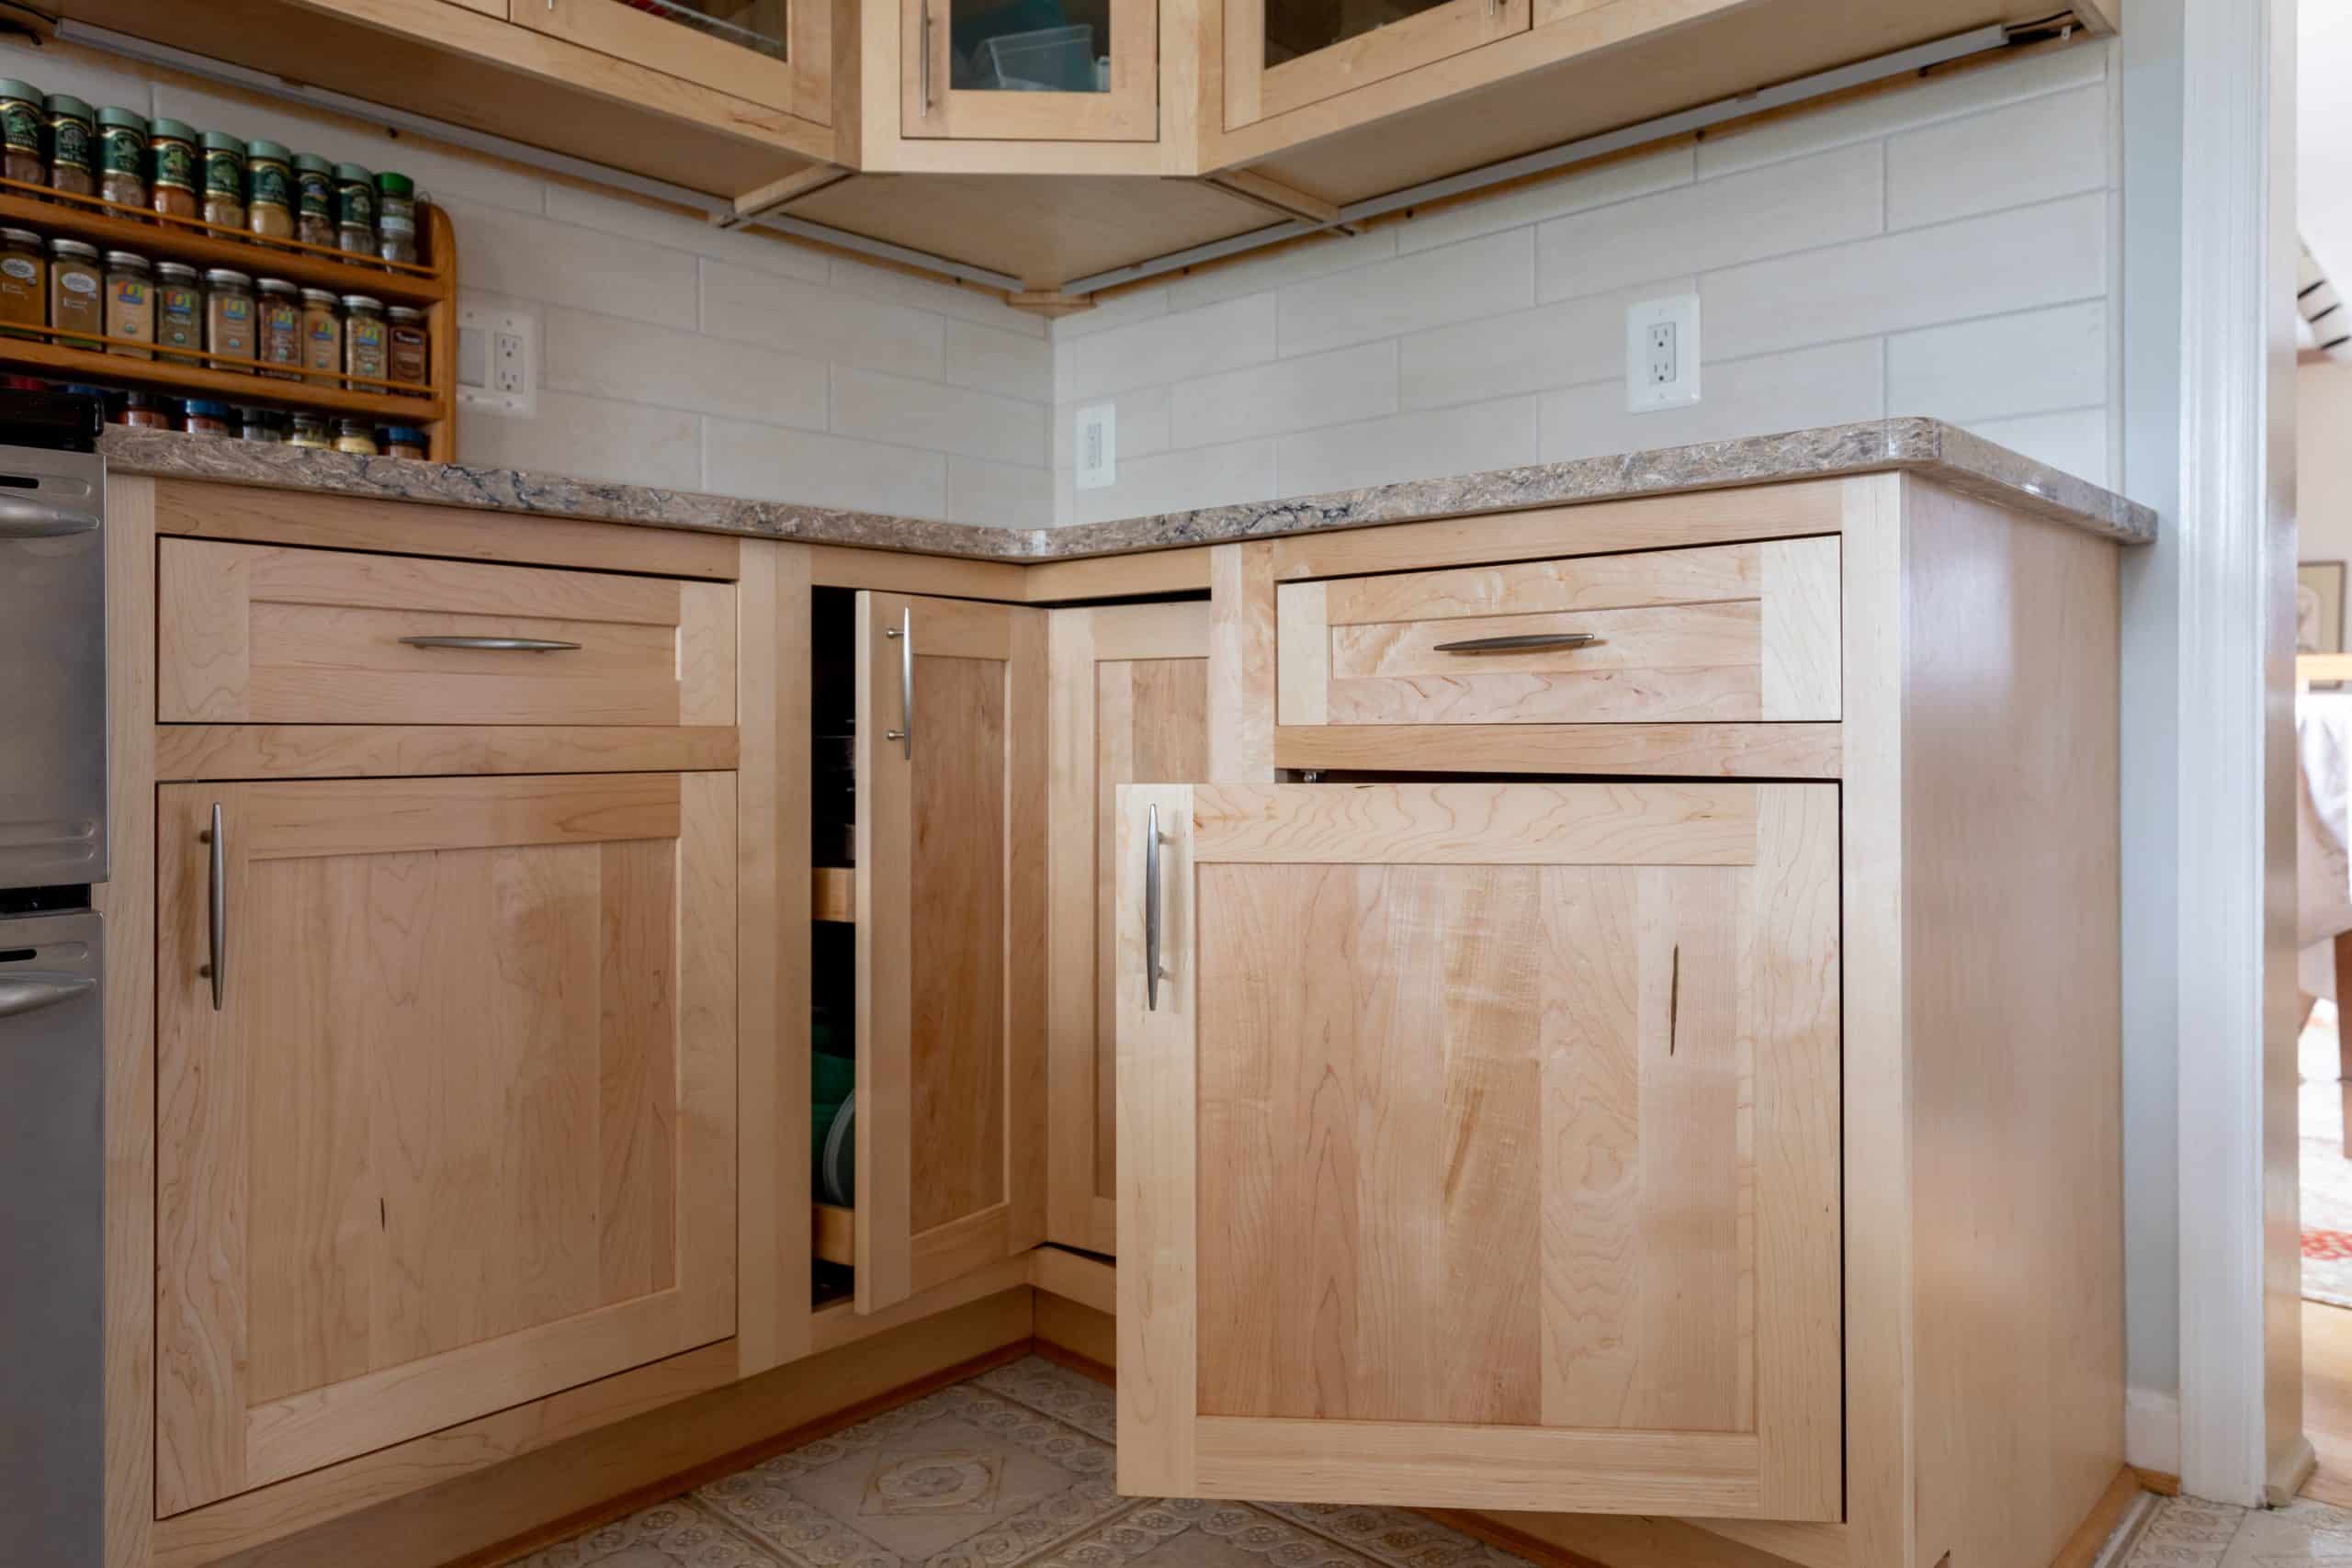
x=1926, y=446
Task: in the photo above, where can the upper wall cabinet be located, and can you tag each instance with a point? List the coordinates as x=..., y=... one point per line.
x=775, y=52
x=1281, y=54
x=1031, y=70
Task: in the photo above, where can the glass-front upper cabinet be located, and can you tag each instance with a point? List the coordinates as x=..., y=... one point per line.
x=1284, y=54
x=1031, y=70
x=776, y=53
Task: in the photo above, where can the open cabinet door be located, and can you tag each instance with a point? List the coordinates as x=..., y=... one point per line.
x=951, y=950
x=1478, y=1146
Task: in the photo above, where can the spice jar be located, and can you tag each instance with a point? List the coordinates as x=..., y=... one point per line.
x=143, y=411
x=313, y=199
x=76, y=292
x=411, y=351
x=20, y=127
x=172, y=173
x=278, y=331
x=130, y=304
x=122, y=157
x=366, y=352
x=206, y=418
x=355, y=436
x=229, y=316
x=71, y=129
x=259, y=426
x=402, y=441
x=354, y=210
x=179, y=310
x=322, y=331
x=395, y=217
x=23, y=281
x=224, y=180
x=270, y=190
x=309, y=430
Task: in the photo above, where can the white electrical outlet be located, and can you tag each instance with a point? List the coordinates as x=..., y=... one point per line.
x=1662, y=353
x=1098, y=447
x=497, y=358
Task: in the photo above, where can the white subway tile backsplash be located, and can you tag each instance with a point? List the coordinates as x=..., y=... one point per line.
x=820, y=323
x=1118, y=310
x=1961, y=167
x=1316, y=256
x=1939, y=96
x=1168, y=348
x=937, y=417
x=1427, y=288
x=1290, y=394
x=592, y=438
x=1621, y=179
x=2001, y=366
x=1180, y=481
x=1783, y=207
x=769, y=463
x=618, y=214
x=1001, y=495
x=560, y=263
x=1018, y=365
x=1977, y=266
x=968, y=301
x=1830, y=384
x=635, y=362
x=2074, y=440
x=1526, y=351
x=1459, y=440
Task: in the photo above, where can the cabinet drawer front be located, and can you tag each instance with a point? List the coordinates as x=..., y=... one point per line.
x=1723, y=634
x=264, y=633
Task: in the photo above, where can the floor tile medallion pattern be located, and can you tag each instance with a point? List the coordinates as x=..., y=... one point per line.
x=1012, y=1468
x=2187, y=1533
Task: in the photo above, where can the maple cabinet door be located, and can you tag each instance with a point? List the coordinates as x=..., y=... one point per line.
x=445, y=1116
x=1130, y=695
x=1478, y=1146
x=951, y=940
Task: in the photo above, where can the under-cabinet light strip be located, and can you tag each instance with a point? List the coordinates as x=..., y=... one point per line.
x=111, y=42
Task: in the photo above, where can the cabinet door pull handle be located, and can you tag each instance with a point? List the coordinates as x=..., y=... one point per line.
x=1151, y=909
x=493, y=644
x=41, y=520
x=1529, y=642
x=923, y=72
x=1674, y=999
x=29, y=990
x=903, y=634
x=216, y=878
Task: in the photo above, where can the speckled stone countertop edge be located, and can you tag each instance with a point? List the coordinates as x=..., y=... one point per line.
x=1926, y=446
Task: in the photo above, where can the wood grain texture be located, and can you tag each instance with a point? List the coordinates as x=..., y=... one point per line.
x=1800, y=601
x=255, y=632
x=1255, y=89
x=464, y=1130
x=1706, y=750
x=205, y=509
x=1515, y=1182
x=1109, y=576
x=192, y=751
x=834, y=894
x=1243, y=673
x=1088, y=1282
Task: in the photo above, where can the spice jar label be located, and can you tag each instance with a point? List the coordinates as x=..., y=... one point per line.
x=317, y=195
x=270, y=184
x=120, y=148
x=359, y=206
x=224, y=172
x=79, y=282
x=70, y=143
x=175, y=164
x=20, y=269
x=20, y=126
x=131, y=291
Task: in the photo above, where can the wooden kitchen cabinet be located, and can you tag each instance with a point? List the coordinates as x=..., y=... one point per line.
x=1001, y=70
x=1130, y=705
x=950, y=941
x=1479, y=1146
x=1283, y=55
x=772, y=52
x=445, y=1104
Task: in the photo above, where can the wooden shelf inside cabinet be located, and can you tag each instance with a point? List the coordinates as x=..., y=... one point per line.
x=834, y=895
x=834, y=1230
x=431, y=288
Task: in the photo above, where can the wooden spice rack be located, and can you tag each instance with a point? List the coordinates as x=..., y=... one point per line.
x=431, y=286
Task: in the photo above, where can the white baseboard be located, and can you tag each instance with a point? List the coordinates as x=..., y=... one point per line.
x=2152, y=1430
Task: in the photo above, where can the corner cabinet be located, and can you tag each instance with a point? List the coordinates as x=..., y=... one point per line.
x=1085, y=71
x=1479, y=1145
x=1285, y=54
x=445, y=1104
x=776, y=53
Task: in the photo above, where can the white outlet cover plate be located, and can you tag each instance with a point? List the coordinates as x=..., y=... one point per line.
x=1095, y=446
x=490, y=323
x=1643, y=395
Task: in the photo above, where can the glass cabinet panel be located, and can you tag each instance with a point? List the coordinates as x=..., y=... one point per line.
x=1031, y=70
x=1029, y=46
x=1283, y=55
x=1296, y=28
x=756, y=25
x=772, y=52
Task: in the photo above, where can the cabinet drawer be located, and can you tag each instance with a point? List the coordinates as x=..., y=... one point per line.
x=1726, y=633
x=261, y=634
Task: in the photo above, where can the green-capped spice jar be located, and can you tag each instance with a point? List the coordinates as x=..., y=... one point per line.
x=73, y=132
x=20, y=127
x=179, y=312
x=172, y=173
x=313, y=199
x=354, y=210
x=270, y=190
x=395, y=217
x=122, y=156
x=224, y=180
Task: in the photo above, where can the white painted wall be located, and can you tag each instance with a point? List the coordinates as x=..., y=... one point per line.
x=2324, y=448
x=1942, y=250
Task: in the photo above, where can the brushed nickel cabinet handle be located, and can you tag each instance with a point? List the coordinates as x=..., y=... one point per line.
x=1151, y=909
x=42, y=519
x=922, y=70
x=29, y=990
x=493, y=644
x=903, y=634
x=1525, y=643
x=218, y=878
